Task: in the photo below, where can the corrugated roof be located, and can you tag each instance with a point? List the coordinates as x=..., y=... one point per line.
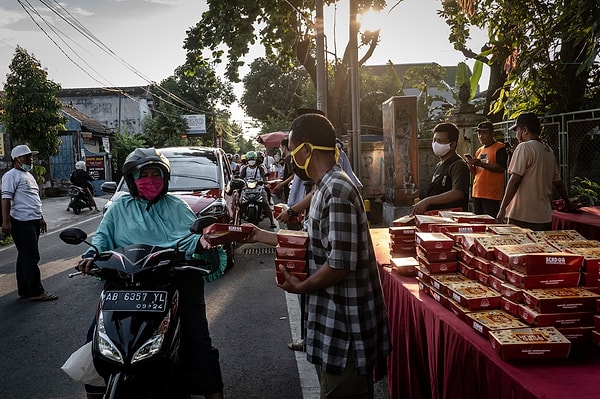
x=87, y=124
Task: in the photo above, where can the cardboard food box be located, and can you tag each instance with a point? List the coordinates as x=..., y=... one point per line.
x=290, y=252
x=497, y=270
x=505, y=253
x=571, y=319
x=459, y=228
x=221, y=233
x=481, y=219
x=280, y=278
x=511, y=292
x=450, y=214
x=402, y=231
x=466, y=270
x=481, y=264
x=423, y=275
x=484, y=246
x=466, y=241
x=425, y=288
x=405, y=266
x=437, y=242
x=434, y=256
x=292, y=265
x=510, y=307
x=439, y=297
x=591, y=259
x=482, y=277
x=530, y=343
x=556, y=235
x=506, y=229
x=465, y=256
x=441, y=281
x=407, y=250
x=457, y=309
x=547, y=263
x=553, y=280
x=577, y=335
x=494, y=282
x=492, y=320
x=424, y=222
x=573, y=245
x=438, y=267
x=474, y=296
x=407, y=220
x=292, y=238
x=560, y=300
x=436, y=212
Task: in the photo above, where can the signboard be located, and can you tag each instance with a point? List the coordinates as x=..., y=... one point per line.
x=196, y=123
x=106, y=144
x=96, y=167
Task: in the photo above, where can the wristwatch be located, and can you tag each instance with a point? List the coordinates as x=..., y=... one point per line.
x=291, y=213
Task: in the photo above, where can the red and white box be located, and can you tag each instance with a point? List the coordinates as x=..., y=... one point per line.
x=560, y=300
x=484, y=246
x=438, y=267
x=475, y=219
x=466, y=270
x=221, y=233
x=292, y=238
x=459, y=228
x=290, y=252
x=402, y=232
x=407, y=220
x=439, y=297
x=573, y=246
x=510, y=307
x=423, y=274
x=424, y=222
x=434, y=256
x=497, y=270
x=511, y=292
x=571, y=319
x=492, y=320
x=494, y=282
x=577, y=335
x=465, y=256
x=505, y=254
x=481, y=264
x=475, y=296
x=466, y=241
x=554, y=280
x=458, y=310
x=441, y=281
x=556, y=235
x=482, y=277
x=279, y=277
x=436, y=242
x=292, y=265
x=530, y=343
x=405, y=266
x=506, y=229
x=547, y=263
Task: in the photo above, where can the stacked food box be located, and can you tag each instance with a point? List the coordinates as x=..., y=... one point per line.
x=291, y=252
x=222, y=233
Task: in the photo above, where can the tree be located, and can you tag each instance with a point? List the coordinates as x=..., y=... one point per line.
x=31, y=111
x=541, y=53
x=191, y=90
x=122, y=145
x=286, y=31
x=425, y=79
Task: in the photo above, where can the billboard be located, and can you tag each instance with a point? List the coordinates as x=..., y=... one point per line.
x=196, y=123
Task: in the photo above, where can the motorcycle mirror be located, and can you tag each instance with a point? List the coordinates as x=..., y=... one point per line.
x=237, y=184
x=73, y=236
x=202, y=222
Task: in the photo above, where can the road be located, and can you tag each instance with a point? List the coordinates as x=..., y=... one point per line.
x=248, y=316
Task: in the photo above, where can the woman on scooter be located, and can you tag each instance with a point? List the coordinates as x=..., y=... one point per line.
x=81, y=178
x=162, y=219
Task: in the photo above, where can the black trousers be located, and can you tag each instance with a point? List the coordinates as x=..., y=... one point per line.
x=26, y=237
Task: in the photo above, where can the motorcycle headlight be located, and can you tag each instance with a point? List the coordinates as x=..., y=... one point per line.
x=105, y=346
x=153, y=345
x=216, y=208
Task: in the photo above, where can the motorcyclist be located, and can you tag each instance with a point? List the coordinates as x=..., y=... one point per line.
x=158, y=218
x=81, y=178
x=257, y=172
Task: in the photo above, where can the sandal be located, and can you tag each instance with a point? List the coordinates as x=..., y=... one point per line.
x=297, y=345
x=46, y=296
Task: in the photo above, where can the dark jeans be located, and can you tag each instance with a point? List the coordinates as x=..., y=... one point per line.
x=26, y=236
x=484, y=206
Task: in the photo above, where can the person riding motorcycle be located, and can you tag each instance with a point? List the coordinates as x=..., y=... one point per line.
x=257, y=172
x=156, y=217
x=81, y=178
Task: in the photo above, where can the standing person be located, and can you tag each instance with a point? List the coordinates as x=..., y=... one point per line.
x=488, y=168
x=22, y=218
x=533, y=174
x=288, y=171
x=449, y=187
x=81, y=178
x=347, y=329
x=155, y=217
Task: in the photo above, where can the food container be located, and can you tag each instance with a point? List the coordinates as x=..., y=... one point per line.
x=434, y=256
x=492, y=320
x=497, y=270
x=436, y=242
x=556, y=235
x=292, y=265
x=457, y=309
x=571, y=319
x=481, y=264
x=560, y=300
x=577, y=335
x=407, y=220
x=572, y=246
x=504, y=253
x=474, y=296
x=494, y=282
x=424, y=222
x=466, y=270
x=554, y=280
x=506, y=229
x=292, y=238
x=459, y=228
x=482, y=277
x=509, y=306
x=405, y=266
x=511, y=292
x=530, y=343
x=423, y=275
x=290, y=252
x=484, y=246
x=441, y=281
x=402, y=231
x=438, y=267
x=221, y=233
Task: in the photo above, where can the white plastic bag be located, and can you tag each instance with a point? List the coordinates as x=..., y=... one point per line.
x=80, y=367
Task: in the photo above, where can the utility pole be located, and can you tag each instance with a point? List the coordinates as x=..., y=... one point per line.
x=354, y=87
x=322, y=89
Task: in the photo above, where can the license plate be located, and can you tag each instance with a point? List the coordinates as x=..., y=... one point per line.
x=135, y=301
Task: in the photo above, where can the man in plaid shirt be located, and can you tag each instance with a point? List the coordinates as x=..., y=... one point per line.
x=347, y=327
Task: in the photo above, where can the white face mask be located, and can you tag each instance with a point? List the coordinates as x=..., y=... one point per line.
x=252, y=162
x=440, y=149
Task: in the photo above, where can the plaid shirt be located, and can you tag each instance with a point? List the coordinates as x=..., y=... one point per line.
x=350, y=314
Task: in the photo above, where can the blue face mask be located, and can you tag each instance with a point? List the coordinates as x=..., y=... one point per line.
x=26, y=168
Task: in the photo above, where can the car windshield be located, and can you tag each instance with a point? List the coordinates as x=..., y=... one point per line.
x=196, y=173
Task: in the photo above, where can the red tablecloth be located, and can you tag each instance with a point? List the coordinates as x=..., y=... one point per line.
x=586, y=221
x=436, y=355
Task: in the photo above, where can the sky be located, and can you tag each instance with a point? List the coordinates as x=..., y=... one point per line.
x=143, y=39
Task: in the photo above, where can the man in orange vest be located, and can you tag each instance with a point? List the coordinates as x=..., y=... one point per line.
x=488, y=168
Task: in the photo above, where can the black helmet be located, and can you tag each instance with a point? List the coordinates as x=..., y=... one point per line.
x=141, y=157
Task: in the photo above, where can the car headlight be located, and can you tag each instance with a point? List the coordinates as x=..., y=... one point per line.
x=105, y=346
x=216, y=208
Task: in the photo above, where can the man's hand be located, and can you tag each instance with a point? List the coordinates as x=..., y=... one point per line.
x=420, y=207
x=85, y=265
x=290, y=282
x=43, y=226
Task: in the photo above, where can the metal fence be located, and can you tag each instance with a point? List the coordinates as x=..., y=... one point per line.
x=575, y=139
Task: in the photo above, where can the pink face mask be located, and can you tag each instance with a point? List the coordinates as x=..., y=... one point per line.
x=150, y=187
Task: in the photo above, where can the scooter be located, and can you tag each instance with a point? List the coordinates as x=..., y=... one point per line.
x=137, y=335
x=79, y=200
x=251, y=201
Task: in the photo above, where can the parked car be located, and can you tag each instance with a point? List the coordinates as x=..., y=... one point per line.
x=202, y=177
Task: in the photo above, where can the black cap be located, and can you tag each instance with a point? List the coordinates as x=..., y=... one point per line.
x=527, y=118
x=485, y=127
